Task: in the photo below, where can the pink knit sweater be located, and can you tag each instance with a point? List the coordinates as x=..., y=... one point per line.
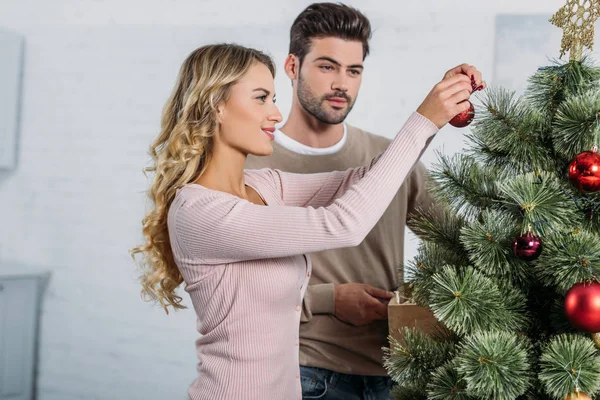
x=246, y=269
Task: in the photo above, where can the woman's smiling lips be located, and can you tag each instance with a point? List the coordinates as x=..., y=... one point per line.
x=269, y=131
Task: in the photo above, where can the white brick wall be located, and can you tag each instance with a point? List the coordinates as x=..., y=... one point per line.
x=96, y=76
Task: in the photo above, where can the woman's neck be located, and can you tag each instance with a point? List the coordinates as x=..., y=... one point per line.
x=225, y=172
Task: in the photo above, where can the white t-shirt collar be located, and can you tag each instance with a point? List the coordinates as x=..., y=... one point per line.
x=297, y=147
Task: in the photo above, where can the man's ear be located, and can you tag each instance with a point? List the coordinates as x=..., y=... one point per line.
x=292, y=66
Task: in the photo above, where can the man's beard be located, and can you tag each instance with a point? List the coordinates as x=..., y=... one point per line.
x=315, y=107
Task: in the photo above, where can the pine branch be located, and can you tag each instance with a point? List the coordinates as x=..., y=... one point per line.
x=485, y=155
x=588, y=208
x=570, y=362
x=500, y=112
x=591, y=210
x=430, y=259
x=446, y=384
x=464, y=184
x=489, y=243
x=509, y=129
x=439, y=226
x=404, y=393
x=410, y=363
x=576, y=124
x=495, y=365
x=552, y=85
x=540, y=201
x=467, y=301
x=569, y=258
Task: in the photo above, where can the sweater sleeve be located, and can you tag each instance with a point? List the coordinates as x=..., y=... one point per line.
x=318, y=299
x=218, y=228
x=319, y=189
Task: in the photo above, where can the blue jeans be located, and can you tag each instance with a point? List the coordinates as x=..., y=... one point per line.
x=322, y=384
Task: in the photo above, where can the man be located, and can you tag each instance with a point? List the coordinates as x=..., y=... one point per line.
x=344, y=319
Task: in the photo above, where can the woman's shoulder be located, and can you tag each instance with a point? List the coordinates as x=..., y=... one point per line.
x=193, y=198
x=267, y=182
x=263, y=176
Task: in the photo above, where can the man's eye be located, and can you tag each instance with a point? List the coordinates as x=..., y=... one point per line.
x=326, y=67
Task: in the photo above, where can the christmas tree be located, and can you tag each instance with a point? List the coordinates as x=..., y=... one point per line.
x=511, y=265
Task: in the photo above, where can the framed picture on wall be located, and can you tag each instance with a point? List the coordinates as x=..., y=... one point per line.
x=525, y=43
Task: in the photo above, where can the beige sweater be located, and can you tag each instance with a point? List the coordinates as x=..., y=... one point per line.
x=326, y=341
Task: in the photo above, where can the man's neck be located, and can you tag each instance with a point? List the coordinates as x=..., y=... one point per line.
x=306, y=129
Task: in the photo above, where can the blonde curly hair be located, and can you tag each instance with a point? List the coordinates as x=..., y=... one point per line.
x=182, y=151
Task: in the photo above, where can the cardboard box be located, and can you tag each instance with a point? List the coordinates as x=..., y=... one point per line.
x=403, y=314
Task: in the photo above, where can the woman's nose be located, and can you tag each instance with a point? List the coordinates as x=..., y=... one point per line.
x=276, y=115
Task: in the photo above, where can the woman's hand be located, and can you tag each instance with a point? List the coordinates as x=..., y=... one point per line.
x=448, y=97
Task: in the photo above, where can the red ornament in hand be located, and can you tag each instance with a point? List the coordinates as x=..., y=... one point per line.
x=464, y=118
x=584, y=171
x=527, y=247
x=582, y=306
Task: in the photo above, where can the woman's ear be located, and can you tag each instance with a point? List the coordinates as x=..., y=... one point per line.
x=220, y=111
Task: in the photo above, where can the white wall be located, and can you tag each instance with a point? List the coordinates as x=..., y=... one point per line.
x=96, y=76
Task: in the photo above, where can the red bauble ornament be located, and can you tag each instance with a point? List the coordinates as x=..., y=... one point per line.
x=582, y=306
x=584, y=171
x=464, y=118
x=527, y=247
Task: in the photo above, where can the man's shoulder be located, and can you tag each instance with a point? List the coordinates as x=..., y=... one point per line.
x=255, y=162
x=377, y=142
x=259, y=162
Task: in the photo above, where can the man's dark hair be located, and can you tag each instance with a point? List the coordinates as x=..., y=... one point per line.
x=322, y=20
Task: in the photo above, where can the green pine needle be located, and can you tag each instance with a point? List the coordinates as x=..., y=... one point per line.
x=464, y=184
x=576, y=126
x=552, y=85
x=410, y=363
x=439, y=226
x=495, y=365
x=430, y=259
x=489, y=243
x=540, y=201
x=467, y=301
x=508, y=128
x=569, y=258
x=570, y=362
x=404, y=393
x=446, y=384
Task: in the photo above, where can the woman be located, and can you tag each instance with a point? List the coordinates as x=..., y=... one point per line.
x=239, y=238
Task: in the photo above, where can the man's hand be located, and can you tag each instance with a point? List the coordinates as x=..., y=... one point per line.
x=360, y=304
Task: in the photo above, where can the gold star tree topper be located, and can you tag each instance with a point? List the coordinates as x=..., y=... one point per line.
x=577, y=19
